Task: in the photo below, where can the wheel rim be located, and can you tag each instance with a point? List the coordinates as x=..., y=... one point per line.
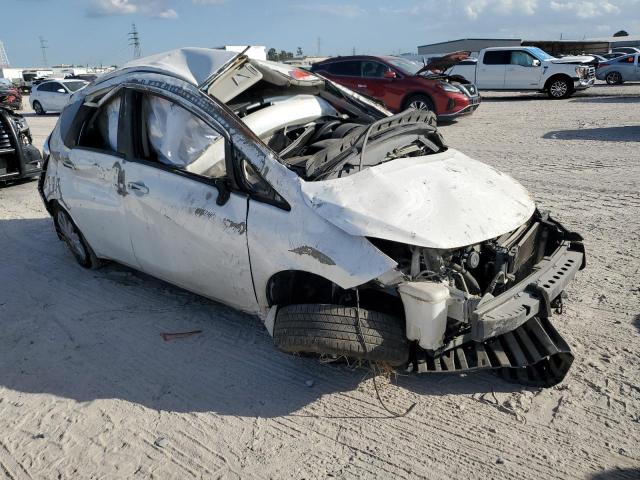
x=70, y=235
x=614, y=77
x=559, y=89
x=37, y=107
x=419, y=105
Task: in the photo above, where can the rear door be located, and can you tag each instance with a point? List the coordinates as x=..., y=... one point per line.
x=59, y=96
x=92, y=183
x=491, y=70
x=186, y=227
x=347, y=73
x=45, y=95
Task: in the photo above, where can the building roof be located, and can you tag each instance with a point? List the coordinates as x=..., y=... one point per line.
x=628, y=38
x=474, y=39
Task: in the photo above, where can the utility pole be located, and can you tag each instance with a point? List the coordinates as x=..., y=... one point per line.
x=43, y=47
x=4, y=59
x=353, y=51
x=319, y=46
x=134, y=39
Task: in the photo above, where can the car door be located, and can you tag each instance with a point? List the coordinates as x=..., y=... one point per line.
x=637, y=77
x=59, y=96
x=45, y=95
x=347, y=73
x=373, y=82
x=490, y=73
x=91, y=183
x=186, y=227
x=523, y=72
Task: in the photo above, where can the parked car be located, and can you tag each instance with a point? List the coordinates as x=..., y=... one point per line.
x=10, y=96
x=53, y=95
x=19, y=159
x=626, y=50
x=609, y=56
x=400, y=84
x=619, y=70
x=528, y=69
x=349, y=230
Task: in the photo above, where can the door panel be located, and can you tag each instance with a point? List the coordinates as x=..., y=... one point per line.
x=491, y=76
x=526, y=78
x=92, y=191
x=180, y=234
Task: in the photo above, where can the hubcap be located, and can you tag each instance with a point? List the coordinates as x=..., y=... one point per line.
x=419, y=105
x=614, y=77
x=70, y=235
x=558, y=89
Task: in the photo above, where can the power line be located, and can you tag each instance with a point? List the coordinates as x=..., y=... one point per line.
x=43, y=47
x=134, y=39
x=4, y=59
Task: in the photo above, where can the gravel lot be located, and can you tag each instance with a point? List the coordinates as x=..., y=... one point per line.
x=88, y=389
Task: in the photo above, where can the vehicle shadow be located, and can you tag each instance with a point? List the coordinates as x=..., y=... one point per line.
x=630, y=133
x=618, y=474
x=609, y=99
x=96, y=334
x=33, y=114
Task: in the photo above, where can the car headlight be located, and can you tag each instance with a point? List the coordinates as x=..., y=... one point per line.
x=581, y=71
x=447, y=87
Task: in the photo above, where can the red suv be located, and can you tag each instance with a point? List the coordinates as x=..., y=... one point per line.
x=399, y=83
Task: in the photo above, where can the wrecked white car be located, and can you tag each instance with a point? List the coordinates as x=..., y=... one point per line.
x=350, y=231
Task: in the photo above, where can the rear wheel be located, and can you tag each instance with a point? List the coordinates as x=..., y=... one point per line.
x=342, y=331
x=74, y=239
x=560, y=88
x=37, y=107
x=613, y=78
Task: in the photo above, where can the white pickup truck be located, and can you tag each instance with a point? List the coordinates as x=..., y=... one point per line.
x=527, y=68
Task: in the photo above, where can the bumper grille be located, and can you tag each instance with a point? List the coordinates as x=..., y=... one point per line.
x=5, y=139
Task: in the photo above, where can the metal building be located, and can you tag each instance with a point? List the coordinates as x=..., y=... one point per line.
x=467, y=44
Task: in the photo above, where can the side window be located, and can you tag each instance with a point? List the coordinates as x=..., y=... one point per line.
x=347, y=68
x=101, y=129
x=626, y=60
x=373, y=69
x=45, y=87
x=54, y=87
x=497, y=57
x=522, y=58
x=171, y=135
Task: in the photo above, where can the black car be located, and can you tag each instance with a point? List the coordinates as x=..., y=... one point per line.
x=19, y=159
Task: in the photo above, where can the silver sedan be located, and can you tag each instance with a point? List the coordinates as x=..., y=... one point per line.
x=621, y=69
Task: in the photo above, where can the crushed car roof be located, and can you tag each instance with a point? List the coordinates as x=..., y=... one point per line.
x=192, y=64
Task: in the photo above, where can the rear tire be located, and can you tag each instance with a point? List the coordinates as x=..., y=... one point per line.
x=613, y=78
x=337, y=330
x=37, y=107
x=71, y=235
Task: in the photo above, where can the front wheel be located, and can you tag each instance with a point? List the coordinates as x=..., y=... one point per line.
x=74, y=239
x=37, y=107
x=419, y=102
x=613, y=78
x=559, y=89
x=341, y=331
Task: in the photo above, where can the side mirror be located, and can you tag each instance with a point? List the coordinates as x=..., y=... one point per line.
x=61, y=90
x=390, y=74
x=536, y=63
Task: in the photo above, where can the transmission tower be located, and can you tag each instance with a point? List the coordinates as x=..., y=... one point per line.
x=43, y=47
x=4, y=59
x=134, y=39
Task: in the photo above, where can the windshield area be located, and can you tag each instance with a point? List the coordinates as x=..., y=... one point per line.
x=406, y=66
x=540, y=54
x=74, y=86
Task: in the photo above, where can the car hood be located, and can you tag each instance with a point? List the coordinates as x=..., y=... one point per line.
x=442, y=201
x=445, y=62
x=573, y=59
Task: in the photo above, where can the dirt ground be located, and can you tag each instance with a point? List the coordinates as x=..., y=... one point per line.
x=88, y=388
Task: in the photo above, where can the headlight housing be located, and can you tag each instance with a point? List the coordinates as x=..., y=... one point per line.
x=581, y=72
x=447, y=87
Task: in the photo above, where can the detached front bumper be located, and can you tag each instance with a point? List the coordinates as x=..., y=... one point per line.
x=583, y=83
x=531, y=297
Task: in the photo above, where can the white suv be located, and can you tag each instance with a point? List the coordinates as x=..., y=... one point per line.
x=53, y=95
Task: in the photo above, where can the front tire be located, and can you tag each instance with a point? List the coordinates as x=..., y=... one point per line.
x=71, y=235
x=560, y=88
x=613, y=78
x=342, y=331
x=37, y=107
x=419, y=102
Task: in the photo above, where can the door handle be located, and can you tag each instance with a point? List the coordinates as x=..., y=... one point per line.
x=138, y=187
x=361, y=86
x=68, y=163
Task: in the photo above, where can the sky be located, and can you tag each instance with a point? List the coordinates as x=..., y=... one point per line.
x=95, y=32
